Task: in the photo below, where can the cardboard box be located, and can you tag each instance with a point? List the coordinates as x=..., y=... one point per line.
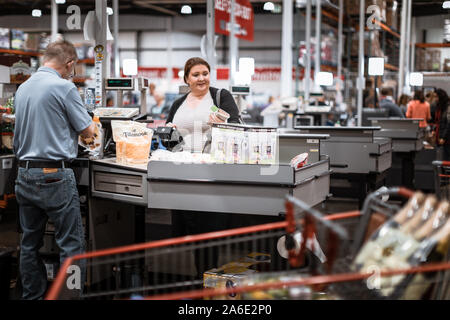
x=446, y=67
x=4, y=38
x=234, y=273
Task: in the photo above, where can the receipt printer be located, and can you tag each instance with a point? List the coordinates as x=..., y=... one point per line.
x=167, y=138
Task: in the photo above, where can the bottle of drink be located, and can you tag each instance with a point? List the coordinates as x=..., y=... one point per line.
x=89, y=100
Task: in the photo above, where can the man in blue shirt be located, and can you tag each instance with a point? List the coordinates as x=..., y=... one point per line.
x=387, y=102
x=49, y=117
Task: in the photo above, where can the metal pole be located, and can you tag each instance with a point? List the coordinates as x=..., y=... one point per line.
x=318, y=38
x=100, y=39
x=401, y=73
x=413, y=45
x=233, y=45
x=210, y=41
x=54, y=20
x=286, y=49
x=307, y=76
x=340, y=46
x=169, y=74
x=408, y=45
x=116, y=38
x=361, y=80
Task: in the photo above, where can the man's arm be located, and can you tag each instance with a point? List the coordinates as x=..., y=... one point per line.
x=89, y=131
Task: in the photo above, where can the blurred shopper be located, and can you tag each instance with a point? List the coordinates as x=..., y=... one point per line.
x=150, y=98
x=403, y=102
x=160, y=109
x=442, y=127
x=432, y=98
x=189, y=112
x=419, y=108
x=387, y=102
x=49, y=117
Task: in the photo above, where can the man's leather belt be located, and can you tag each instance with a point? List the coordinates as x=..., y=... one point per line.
x=44, y=164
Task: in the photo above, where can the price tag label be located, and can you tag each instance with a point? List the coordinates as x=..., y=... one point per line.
x=99, y=56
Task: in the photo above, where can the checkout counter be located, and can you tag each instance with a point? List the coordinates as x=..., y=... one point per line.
x=121, y=193
x=358, y=158
x=407, y=142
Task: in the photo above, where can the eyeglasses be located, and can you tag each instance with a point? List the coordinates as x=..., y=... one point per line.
x=73, y=75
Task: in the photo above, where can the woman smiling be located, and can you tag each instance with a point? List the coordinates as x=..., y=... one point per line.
x=191, y=114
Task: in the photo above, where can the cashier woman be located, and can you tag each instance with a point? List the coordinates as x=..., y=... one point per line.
x=192, y=112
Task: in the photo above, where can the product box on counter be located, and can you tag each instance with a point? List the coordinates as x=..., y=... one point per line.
x=234, y=143
x=235, y=273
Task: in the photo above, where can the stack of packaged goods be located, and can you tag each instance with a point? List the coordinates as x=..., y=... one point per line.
x=419, y=233
x=232, y=143
x=7, y=126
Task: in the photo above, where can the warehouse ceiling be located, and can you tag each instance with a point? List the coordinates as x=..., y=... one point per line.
x=172, y=7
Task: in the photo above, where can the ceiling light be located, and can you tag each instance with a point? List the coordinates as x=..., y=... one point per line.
x=416, y=79
x=186, y=9
x=60, y=1
x=247, y=65
x=446, y=5
x=109, y=11
x=130, y=67
x=325, y=79
x=376, y=66
x=36, y=13
x=269, y=6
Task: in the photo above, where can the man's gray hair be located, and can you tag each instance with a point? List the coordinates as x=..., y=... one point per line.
x=61, y=51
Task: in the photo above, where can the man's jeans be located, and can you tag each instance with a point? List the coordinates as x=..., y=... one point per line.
x=44, y=194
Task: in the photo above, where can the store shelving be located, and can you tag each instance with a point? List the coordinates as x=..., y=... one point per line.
x=21, y=52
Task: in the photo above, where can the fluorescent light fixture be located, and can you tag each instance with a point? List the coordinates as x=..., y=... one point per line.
x=36, y=13
x=269, y=6
x=109, y=11
x=324, y=79
x=416, y=79
x=247, y=65
x=446, y=5
x=130, y=67
x=186, y=9
x=60, y=1
x=242, y=78
x=376, y=66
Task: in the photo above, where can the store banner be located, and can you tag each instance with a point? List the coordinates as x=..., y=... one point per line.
x=244, y=18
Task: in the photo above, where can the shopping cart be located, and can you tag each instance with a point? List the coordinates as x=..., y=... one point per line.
x=442, y=178
x=339, y=281
x=187, y=267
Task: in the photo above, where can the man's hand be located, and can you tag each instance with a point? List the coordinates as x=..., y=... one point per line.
x=89, y=131
x=441, y=141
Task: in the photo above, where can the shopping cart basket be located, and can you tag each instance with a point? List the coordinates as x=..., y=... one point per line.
x=168, y=269
x=177, y=264
x=337, y=280
x=442, y=179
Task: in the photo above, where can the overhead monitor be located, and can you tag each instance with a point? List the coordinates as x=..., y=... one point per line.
x=119, y=84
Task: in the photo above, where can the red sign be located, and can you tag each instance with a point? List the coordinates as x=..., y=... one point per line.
x=243, y=16
x=156, y=72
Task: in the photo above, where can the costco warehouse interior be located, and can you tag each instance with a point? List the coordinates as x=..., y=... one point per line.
x=224, y=150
